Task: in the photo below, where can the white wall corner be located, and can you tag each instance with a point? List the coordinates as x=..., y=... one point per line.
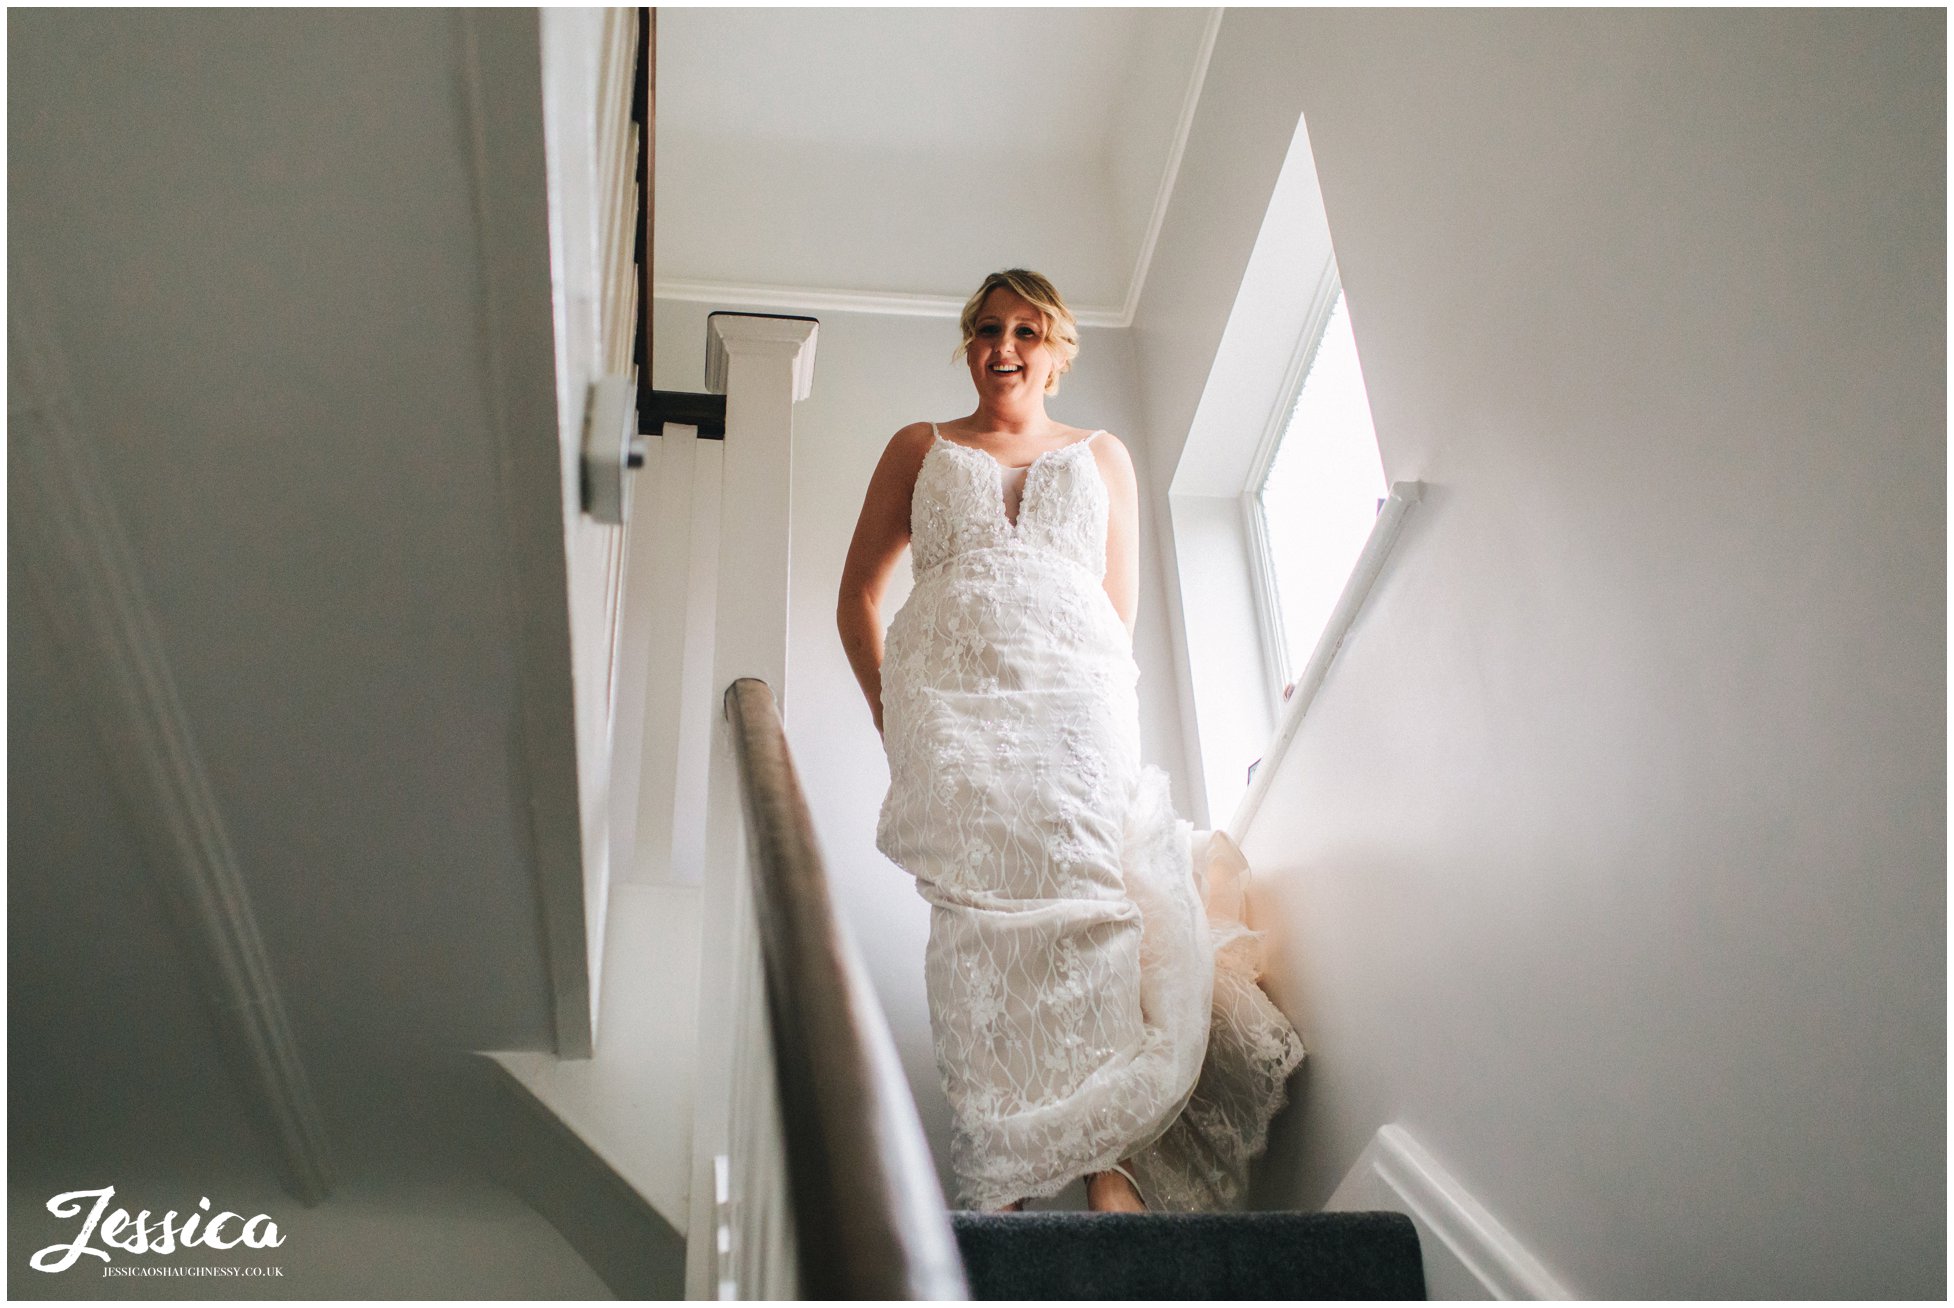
x=554, y=561
x=631, y=1102
x=1467, y=1253
x=1190, y=101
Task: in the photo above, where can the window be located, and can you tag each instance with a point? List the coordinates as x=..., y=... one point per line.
x=1274, y=496
x=1317, y=488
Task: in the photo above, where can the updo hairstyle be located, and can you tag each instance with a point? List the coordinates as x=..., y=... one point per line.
x=1061, y=329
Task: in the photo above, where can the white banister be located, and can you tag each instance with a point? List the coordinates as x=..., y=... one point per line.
x=1377, y=549
x=763, y=365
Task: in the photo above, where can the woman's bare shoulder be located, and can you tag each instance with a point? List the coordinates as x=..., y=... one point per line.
x=909, y=444
x=902, y=459
x=1112, y=453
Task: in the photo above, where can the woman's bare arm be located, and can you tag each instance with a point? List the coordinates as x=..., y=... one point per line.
x=1122, y=527
x=881, y=534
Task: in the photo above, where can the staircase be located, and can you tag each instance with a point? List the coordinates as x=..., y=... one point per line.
x=1190, y=1255
x=737, y=1024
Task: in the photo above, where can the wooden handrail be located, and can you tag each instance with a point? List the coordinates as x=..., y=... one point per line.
x=869, y=1216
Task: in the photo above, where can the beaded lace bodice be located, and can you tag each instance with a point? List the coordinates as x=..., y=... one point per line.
x=959, y=505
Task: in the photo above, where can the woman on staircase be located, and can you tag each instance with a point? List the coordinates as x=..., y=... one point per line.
x=1092, y=990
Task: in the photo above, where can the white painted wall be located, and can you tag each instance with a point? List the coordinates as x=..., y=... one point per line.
x=300, y=450
x=873, y=375
x=1610, y=861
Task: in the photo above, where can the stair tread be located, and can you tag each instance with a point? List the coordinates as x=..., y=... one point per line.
x=1263, y=1255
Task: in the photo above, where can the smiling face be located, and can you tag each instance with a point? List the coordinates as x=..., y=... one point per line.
x=1008, y=354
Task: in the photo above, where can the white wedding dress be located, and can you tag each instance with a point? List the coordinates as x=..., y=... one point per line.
x=1092, y=990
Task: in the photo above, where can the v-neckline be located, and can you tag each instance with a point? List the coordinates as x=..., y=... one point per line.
x=999, y=468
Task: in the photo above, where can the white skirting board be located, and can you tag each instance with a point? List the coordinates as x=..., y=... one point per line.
x=1467, y=1253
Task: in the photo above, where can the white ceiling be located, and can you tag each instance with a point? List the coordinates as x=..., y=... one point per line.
x=889, y=158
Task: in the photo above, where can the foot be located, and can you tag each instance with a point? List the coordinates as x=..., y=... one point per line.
x=1015, y=1206
x=1111, y=1192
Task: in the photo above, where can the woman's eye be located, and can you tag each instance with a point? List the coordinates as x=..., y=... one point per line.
x=1027, y=332
x=988, y=329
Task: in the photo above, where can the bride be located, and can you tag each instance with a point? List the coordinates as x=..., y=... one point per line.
x=1091, y=988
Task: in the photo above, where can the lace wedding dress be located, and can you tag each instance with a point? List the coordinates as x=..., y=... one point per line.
x=1091, y=987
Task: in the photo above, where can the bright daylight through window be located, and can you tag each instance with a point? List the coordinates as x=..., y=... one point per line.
x=1318, y=498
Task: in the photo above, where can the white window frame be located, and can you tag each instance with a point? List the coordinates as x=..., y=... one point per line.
x=1281, y=664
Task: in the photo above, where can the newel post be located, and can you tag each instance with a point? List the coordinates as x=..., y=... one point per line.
x=763, y=364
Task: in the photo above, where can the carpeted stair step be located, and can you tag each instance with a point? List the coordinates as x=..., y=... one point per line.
x=1190, y=1255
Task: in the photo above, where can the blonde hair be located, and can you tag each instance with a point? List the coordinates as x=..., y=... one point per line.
x=1061, y=329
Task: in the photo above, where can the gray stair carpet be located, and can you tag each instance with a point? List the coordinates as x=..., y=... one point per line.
x=1190, y=1255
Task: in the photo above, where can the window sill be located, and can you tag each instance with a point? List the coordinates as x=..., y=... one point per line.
x=1363, y=576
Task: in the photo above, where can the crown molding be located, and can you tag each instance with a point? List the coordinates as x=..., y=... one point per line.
x=1170, y=173
x=82, y=572
x=837, y=300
